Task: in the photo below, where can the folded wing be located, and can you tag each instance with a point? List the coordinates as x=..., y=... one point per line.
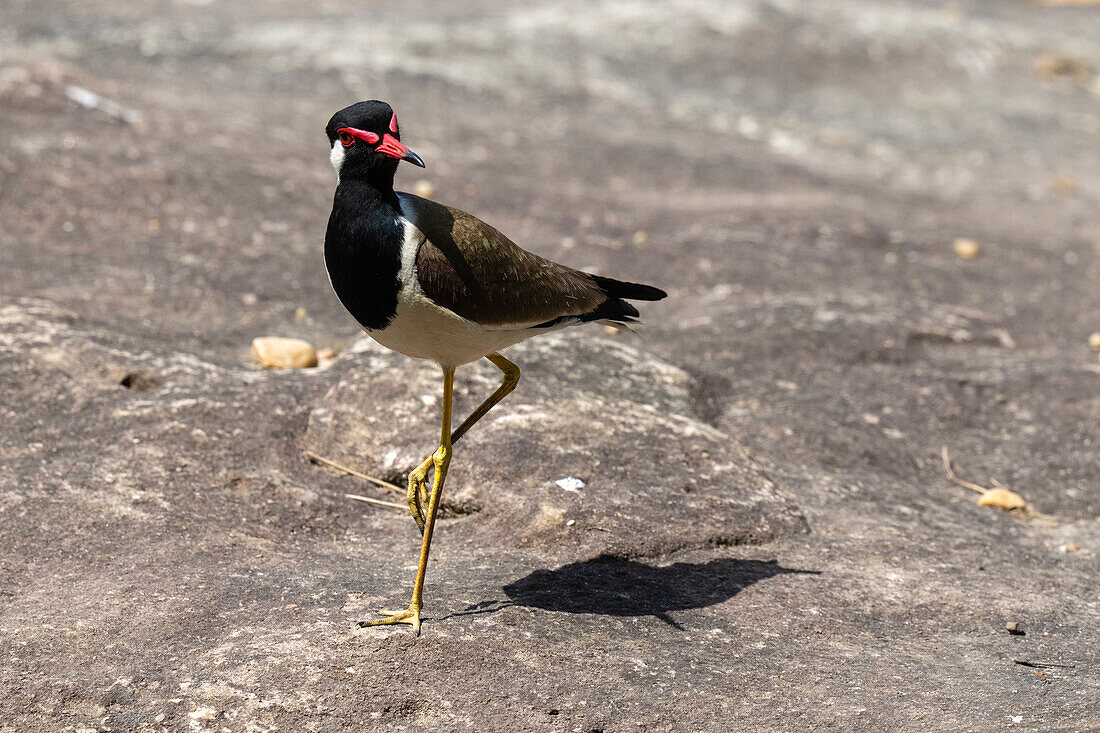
x=470, y=268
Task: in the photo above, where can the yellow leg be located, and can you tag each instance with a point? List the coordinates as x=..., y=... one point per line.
x=441, y=459
x=511, y=378
x=417, y=487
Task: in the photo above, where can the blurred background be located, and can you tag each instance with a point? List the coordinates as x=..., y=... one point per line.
x=878, y=222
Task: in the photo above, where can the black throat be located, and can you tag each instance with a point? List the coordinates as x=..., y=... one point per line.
x=363, y=249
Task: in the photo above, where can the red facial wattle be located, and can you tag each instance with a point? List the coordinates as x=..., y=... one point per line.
x=391, y=147
x=389, y=144
x=348, y=136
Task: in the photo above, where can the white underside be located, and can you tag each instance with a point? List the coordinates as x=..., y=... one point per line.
x=425, y=330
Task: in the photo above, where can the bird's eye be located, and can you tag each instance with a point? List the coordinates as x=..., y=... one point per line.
x=345, y=139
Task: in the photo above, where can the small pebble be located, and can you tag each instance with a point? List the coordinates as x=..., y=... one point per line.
x=967, y=249
x=1055, y=65
x=1094, y=341
x=1014, y=628
x=639, y=237
x=571, y=522
x=274, y=352
x=570, y=483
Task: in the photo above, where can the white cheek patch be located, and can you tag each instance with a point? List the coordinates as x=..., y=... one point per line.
x=336, y=157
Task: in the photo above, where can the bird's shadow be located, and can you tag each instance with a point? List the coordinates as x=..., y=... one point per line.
x=615, y=586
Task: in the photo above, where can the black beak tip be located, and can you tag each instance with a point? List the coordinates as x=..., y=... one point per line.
x=414, y=159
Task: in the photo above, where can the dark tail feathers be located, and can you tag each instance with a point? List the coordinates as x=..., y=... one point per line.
x=631, y=291
x=614, y=309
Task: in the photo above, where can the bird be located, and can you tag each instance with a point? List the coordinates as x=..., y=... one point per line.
x=433, y=282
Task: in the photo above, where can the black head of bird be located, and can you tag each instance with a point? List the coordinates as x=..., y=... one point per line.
x=365, y=141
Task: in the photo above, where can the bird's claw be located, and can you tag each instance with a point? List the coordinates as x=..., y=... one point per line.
x=418, y=492
x=410, y=616
x=418, y=484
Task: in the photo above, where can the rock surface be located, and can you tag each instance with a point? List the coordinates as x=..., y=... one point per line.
x=766, y=538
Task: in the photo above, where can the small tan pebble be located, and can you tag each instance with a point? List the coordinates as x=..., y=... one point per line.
x=1065, y=185
x=1003, y=498
x=1094, y=341
x=325, y=354
x=639, y=237
x=967, y=249
x=275, y=352
x=301, y=314
x=1014, y=628
x=424, y=188
x=1068, y=548
x=611, y=330
x=1053, y=65
x=154, y=225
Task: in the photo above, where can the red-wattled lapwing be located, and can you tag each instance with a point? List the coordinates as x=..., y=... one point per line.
x=436, y=283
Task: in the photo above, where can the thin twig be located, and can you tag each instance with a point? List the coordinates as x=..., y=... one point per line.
x=951, y=473
x=1026, y=663
x=352, y=472
x=379, y=502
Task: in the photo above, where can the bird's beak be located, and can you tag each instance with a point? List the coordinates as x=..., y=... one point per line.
x=391, y=147
x=413, y=158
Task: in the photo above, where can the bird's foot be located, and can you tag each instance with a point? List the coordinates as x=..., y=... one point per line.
x=418, y=492
x=419, y=485
x=410, y=616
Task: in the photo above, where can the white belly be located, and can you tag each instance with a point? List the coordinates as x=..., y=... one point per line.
x=424, y=330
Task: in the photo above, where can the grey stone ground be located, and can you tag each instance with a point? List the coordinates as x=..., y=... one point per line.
x=766, y=538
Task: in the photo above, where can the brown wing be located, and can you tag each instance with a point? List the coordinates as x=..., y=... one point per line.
x=469, y=267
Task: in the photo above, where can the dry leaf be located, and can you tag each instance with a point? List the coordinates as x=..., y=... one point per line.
x=1003, y=498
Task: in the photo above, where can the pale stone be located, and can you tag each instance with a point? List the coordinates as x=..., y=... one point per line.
x=275, y=352
x=967, y=249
